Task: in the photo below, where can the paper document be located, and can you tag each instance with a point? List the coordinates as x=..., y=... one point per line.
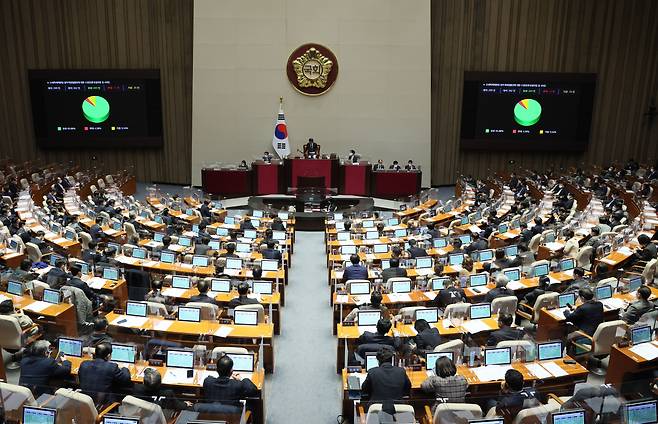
x=424, y=271
x=364, y=328
x=235, y=272
x=128, y=321
x=431, y=295
x=149, y=263
x=558, y=313
x=554, y=246
x=96, y=283
x=37, y=306
x=515, y=285
x=177, y=376
x=613, y=303
x=342, y=298
x=538, y=371
x=646, y=350
x=491, y=372
x=554, y=369
x=456, y=267
x=475, y=326
x=3, y=298
x=399, y=297
x=128, y=260
x=173, y=292
x=162, y=325
x=361, y=299
x=187, y=266
x=60, y=240
x=223, y=331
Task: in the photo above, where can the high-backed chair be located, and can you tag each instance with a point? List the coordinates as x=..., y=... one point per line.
x=599, y=343
x=253, y=307
x=456, y=309
x=533, y=244
x=130, y=230
x=13, y=337
x=456, y=346
x=85, y=239
x=14, y=398
x=222, y=350
x=148, y=412
x=409, y=311
x=531, y=313
x=72, y=405
x=504, y=305
x=527, y=346
x=33, y=252
x=158, y=309
x=209, y=311
x=404, y=414
x=537, y=414
x=453, y=413
x=612, y=281
x=584, y=257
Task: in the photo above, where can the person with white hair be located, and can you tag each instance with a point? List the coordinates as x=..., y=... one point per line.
x=38, y=368
x=500, y=290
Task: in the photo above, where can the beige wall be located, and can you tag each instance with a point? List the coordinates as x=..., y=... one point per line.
x=380, y=103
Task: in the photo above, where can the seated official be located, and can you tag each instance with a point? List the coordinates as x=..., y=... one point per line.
x=410, y=166
x=477, y=244
x=505, y=332
x=446, y=385
x=100, y=378
x=381, y=337
x=76, y=282
x=277, y=224
x=242, y=299
x=203, y=247
x=312, y=148
x=38, y=368
x=155, y=295
x=449, y=294
x=395, y=166
x=23, y=273
x=588, y=315
x=151, y=390
x=205, y=210
x=500, y=290
x=267, y=156
x=99, y=334
x=414, y=250
x=271, y=252
x=40, y=241
x=374, y=305
x=91, y=255
x=579, y=281
x=595, y=238
x=635, y=310
x=386, y=382
x=230, y=251
x=393, y=270
x=500, y=260
x=356, y=271
x=427, y=337
x=647, y=249
x=228, y=388
x=538, y=228
x=203, y=286
x=457, y=246
x=7, y=308
x=55, y=274
x=513, y=397
x=432, y=231
x=96, y=231
x=542, y=287
x=246, y=224
x=379, y=166
x=572, y=245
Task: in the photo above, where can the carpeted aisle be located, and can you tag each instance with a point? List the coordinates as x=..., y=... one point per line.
x=305, y=387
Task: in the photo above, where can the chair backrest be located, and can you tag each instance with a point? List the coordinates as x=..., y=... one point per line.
x=533, y=245
x=544, y=301
x=129, y=229
x=612, y=281
x=155, y=308
x=253, y=307
x=85, y=239
x=456, y=309
x=391, y=281
x=101, y=183
x=584, y=256
x=14, y=398
x=649, y=271
x=10, y=332
x=517, y=345
x=606, y=335
x=208, y=310
x=75, y=405
x=109, y=179
x=409, y=311
x=504, y=304
x=221, y=350
x=537, y=414
x=403, y=414
x=148, y=412
x=456, y=412
x=537, y=263
x=37, y=289
x=456, y=346
x=33, y=252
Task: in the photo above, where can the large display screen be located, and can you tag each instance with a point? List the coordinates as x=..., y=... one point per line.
x=96, y=108
x=527, y=111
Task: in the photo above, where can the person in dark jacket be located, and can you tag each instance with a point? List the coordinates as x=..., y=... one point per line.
x=588, y=315
x=203, y=287
x=505, y=332
x=356, y=271
x=99, y=334
x=538, y=228
x=203, y=247
x=393, y=270
x=230, y=251
x=635, y=310
x=228, y=388
x=151, y=390
x=246, y=224
x=501, y=289
x=100, y=378
x=380, y=337
x=542, y=288
x=91, y=255
x=204, y=209
x=96, y=232
x=277, y=224
x=76, y=282
x=55, y=274
x=38, y=368
x=513, y=396
x=271, y=252
x=647, y=249
x=415, y=251
x=477, y=244
x=242, y=299
x=449, y=295
x=428, y=337
x=386, y=382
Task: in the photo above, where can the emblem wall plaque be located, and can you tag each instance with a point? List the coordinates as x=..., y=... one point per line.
x=312, y=69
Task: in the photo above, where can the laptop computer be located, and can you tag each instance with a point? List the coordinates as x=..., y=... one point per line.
x=180, y=358
x=480, y=311
x=70, y=347
x=498, y=356
x=549, y=350
x=640, y=412
x=35, y=415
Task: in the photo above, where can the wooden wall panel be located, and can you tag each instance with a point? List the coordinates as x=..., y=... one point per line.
x=618, y=40
x=51, y=34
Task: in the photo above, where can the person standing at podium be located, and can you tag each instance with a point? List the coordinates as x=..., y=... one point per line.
x=312, y=148
x=267, y=157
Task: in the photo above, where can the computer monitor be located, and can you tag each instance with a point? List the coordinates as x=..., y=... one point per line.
x=158, y=237
x=116, y=226
x=167, y=257
x=380, y=248
x=386, y=263
x=347, y=250
x=233, y=263
x=84, y=267
x=136, y=309
x=567, y=264
x=480, y=310
x=54, y=258
x=564, y=299
x=255, y=223
x=485, y=255
x=372, y=235
x=13, y=245
x=189, y=314
x=343, y=236
x=424, y=262
x=69, y=235
x=180, y=358
x=463, y=220
x=195, y=228
x=549, y=238
x=52, y=296
x=185, y=241
x=400, y=232
x=575, y=416
x=139, y=253
x=229, y=220
x=640, y=412
x=269, y=265
x=70, y=347
x=257, y=214
x=123, y=353
x=55, y=228
x=465, y=239
x=373, y=362
x=478, y=280
x=369, y=223
x=111, y=274
x=283, y=216
x=634, y=283
x=498, y=356
x=281, y=235
x=15, y=288
x=549, y=351
x=250, y=234
x=262, y=287
x=181, y=282
x=245, y=317
x=242, y=362
x=439, y=283
x=199, y=260
x=402, y=286
x=513, y=274
x=392, y=222
x=242, y=247
x=428, y=314
x=503, y=228
x=338, y=216
x=511, y=251
x=34, y=415
x=604, y=292
x=214, y=244
x=432, y=357
x=359, y=288
x=158, y=219
x=110, y=419
x=368, y=318
x=222, y=232
x=439, y=243
x=220, y=285
x=456, y=259
x=540, y=270
x=641, y=334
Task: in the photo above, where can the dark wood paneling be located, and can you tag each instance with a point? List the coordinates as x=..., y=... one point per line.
x=618, y=40
x=51, y=34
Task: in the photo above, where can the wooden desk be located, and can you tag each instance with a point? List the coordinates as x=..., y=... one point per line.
x=623, y=363
x=416, y=211
x=60, y=318
x=12, y=259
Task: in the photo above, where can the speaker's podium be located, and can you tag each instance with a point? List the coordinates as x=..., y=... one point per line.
x=311, y=173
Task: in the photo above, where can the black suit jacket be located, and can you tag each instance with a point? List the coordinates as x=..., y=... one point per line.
x=386, y=382
x=587, y=316
x=205, y=211
x=647, y=253
x=36, y=372
x=78, y=283
x=203, y=298
x=449, y=296
x=497, y=292
x=355, y=272
x=428, y=339
x=278, y=226
x=416, y=251
x=227, y=390
x=375, y=338
x=271, y=254
x=393, y=272
x=99, y=378
x=504, y=334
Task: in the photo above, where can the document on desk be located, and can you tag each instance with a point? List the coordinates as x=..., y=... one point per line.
x=646, y=350
x=558, y=313
x=608, y=261
x=515, y=285
x=399, y=297
x=232, y=272
x=3, y=298
x=223, y=331
x=187, y=266
x=456, y=267
x=431, y=295
x=424, y=271
x=364, y=328
x=128, y=260
x=177, y=376
x=162, y=325
x=150, y=263
x=554, y=246
x=129, y=321
x=474, y=229
x=491, y=372
x=256, y=296
x=613, y=303
x=361, y=299
x=342, y=298
x=552, y=280
x=338, y=275
x=625, y=250
x=60, y=240
x=96, y=283
x=475, y=326
x=537, y=370
x=173, y=292
x=554, y=369
x=37, y=306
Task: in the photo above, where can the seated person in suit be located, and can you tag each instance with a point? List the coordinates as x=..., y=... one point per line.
x=477, y=244
x=505, y=332
x=271, y=252
x=449, y=294
x=230, y=251
x=538, y=228
x=500, y=260
x=432, y=231
x=99, y=334
x=203, y=286
x=96, y=232
x=101, y=378
x=203, y=247
x=457, y=246
x=446, y=385
x=588, y=315
x=52, y=277
x=242, y=299
x=396, y=252
x=151, y=390
x=228, y=388
x=91, y=255
x=531, y=297
x=500, y=290
x=374, y=305
x=267, y=156
x=246, y=224
x=386, y=382
x=410, y=166
x=635, y=310
x=205, y=210
x=277, y=224
x=525, y=235
x=356, y=271
x=155, y=295
x=393, y=271
x=595, y=238
x=37, y=368
x=395, y=166
x=7, y=308
x=379, y=166
x=23, y=273
x=312, y=148
x=380, y=337
x=414, y=250
x=579, y=281
x=75, y=281
x=40, y=241
x=513, y=397
x=647, y=249
x=427, y=337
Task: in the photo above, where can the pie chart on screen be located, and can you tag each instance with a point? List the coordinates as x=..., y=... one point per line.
x=95, y=109
x=527, y=112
